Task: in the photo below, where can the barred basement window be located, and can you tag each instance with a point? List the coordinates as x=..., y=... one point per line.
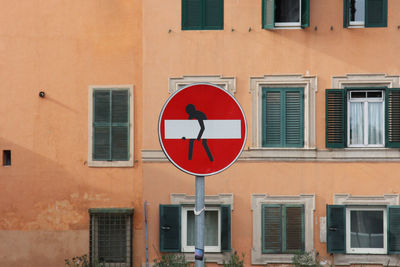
x=111, y=237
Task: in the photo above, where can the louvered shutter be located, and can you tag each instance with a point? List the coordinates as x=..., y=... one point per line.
x=294, y=233
x=192, y=15
x=271, y=228
x=272, y=117
x=214, y=14
x=393, y=117
x=336, y=228
x=101, y=125
x=375, y=13
x=268, y=14
x=293, y=118
x=335, y=118
x=226, y=228
x=394, y=229
x=120, y=125
x=305, y=13
x=170, y=228
x=346, y=17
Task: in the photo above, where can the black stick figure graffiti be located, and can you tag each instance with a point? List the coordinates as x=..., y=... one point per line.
x=200, y=117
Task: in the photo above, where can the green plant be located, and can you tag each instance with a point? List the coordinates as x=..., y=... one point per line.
x=171, y=260
x=235, y=261
x=81, y=261
x=305, y=259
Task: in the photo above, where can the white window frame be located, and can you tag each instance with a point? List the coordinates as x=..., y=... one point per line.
x=185, y=247
x=228, y=83
x=366, y=119
x=290, y=24
x=97, y=163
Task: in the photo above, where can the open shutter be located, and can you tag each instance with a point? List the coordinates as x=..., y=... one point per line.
x=294, y=118
x=392, y=117
x=294, y=234
x=192, y=15
x=346, y=16
x=268, y=14
x=226, y=228
x=393, y=230
x=271, y=228
x=101, y=125
x=272, y=118
x=336, y=228
x=170, y=228
x=120, y=125
x=376, y=13
x=305, y=13
x=335, y=118
x=214, y=14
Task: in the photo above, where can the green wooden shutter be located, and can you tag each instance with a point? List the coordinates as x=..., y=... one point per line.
x=101, y=125
x=226, y=228
x=120, y=125
x=336, y=228
x=393, y=229
x=192, y=14
x=376, y=13
x=294, y=230
x=214, y=14
x=293, y=118
x=335, y=118
x=170, y=228
x=305, y=13
x=268, y=14
x=271, y=236
x=272, y=118
x=346, y=16
x=392, y=113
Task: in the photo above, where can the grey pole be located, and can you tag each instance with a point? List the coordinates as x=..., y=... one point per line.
x=199, y=220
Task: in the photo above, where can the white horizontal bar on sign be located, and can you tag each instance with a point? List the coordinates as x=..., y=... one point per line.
x=213, y=129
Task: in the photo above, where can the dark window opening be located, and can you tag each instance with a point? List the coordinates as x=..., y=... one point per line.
x=6, y=157
x=287, y=11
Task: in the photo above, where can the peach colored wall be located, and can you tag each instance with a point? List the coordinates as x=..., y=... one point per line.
x=237, y=52
x=62, y=47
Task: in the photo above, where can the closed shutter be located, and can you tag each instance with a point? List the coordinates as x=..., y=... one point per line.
x=294, y=228
x=268, y=14
x=336, y=228
x=192, y=15
x=101, y=122
x=305, y=13
x=346, y=16
x=293, y=118
x=170, y=228
x=226, y=228
x=271, y=228
x=375, y=13
x=394, y=229
x=214, y=14
x=335, y=118
x=272, y=117
x=393, y=117
x=120, y=125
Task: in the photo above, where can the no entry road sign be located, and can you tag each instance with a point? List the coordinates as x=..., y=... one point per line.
x=202, y=129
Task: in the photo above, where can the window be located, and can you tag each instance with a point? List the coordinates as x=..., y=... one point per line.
x=285, y=13
x=283, y=117
x=6, y=157
x=111, y=131
x=202, y=14
x=365, y=13
x=282, y=227
x=111, y=236
x=372, y=120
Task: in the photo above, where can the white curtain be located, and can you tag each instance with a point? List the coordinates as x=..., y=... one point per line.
x=211, y=228
x=366, y=229
x=375, y=123
x=356, y=123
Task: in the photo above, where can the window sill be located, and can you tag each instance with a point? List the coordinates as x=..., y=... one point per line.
x=286, y=28
x=217, y=257
x=348, y=259
x=271, y=258
x=104, y=164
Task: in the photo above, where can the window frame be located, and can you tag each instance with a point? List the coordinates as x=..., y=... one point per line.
x=356, y=23
x=366, y=23
x=110, y=163
x=290, y=24
x=202, y=26
x=268, y=20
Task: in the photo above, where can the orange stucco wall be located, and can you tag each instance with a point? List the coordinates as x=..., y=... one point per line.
x=62, y=47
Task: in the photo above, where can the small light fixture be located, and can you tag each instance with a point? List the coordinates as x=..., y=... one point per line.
x=42, y=94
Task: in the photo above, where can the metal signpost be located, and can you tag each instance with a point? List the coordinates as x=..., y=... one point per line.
x=202, y=131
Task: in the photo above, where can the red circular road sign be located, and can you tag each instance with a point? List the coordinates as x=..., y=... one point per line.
x=202, y=129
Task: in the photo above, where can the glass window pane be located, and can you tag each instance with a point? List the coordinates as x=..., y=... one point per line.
x=211, y=228
x=357, y=94
x=356, y=123
x=287, y=11
x=374, y=94
x=366, y=229
x=375, y=123
x=190, y=228
x=357, y=10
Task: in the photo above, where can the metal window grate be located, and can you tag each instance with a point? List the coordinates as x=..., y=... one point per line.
x=111, y=238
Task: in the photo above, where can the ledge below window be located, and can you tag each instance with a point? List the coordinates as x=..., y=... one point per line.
x=217, y=257
x=385, y=260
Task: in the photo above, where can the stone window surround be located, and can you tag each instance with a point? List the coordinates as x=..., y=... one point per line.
x=95, y=163
x=228, y=83
x=349, y=259
x=212, y=200
x=308, y=200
